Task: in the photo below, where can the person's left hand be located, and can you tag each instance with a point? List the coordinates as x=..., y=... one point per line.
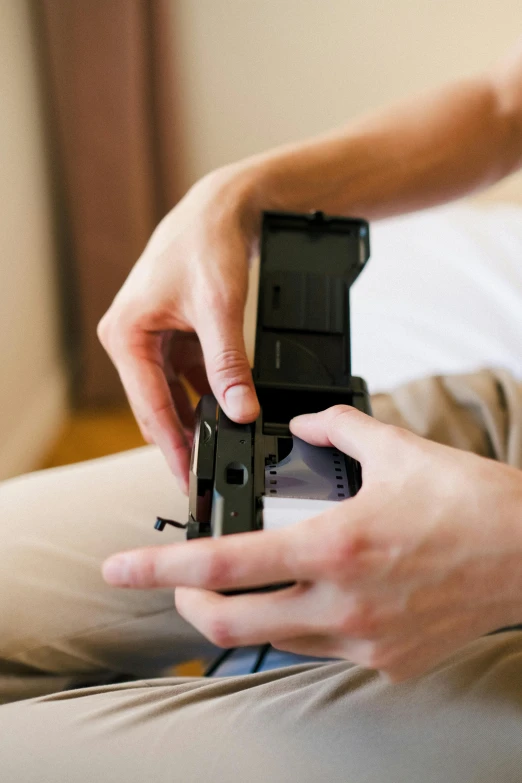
x=425, y=558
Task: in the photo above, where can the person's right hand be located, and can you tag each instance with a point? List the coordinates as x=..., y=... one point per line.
x=424, y=559
x=180, y=313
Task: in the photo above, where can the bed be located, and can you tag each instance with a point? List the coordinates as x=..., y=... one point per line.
x=442, y=293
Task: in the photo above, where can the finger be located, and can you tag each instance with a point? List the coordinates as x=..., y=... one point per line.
x=351, y=431
x=324, y=546
x=238, y=621
x=234, y=561
x=226, y=362
x=319, y=646
x=182, y=404
x=147, y=436
x=137, y=355
x=151, y=399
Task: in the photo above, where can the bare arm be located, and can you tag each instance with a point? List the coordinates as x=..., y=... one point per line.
x=425, y=151
x=192, y=276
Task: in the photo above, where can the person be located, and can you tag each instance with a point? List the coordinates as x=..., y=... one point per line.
x=401, y=585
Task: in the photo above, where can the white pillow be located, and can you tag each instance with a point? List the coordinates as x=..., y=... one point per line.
x=442, y=293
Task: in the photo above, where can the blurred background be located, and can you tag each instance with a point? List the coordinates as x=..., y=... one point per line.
x=111, y=109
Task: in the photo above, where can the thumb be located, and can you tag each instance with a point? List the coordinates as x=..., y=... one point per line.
x=227, y=366
x=347, y=429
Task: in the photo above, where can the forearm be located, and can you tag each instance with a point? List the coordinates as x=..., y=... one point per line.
x=423, y=152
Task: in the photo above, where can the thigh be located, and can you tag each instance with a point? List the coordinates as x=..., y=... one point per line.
x=479, y=412
x=56, y=527
x=330, y=722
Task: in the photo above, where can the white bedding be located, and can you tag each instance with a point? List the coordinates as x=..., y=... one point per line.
x=442, y=293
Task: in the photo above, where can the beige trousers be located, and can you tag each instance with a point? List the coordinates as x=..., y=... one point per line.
x=329, y=722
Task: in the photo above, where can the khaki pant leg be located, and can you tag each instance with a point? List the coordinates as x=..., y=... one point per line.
x=58, y=619
x=331, y=723
x=480, y=412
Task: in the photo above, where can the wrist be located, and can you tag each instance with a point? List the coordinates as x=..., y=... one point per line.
x=334, y=173
x=290, y=178
x=236, y=188
x=298, y=178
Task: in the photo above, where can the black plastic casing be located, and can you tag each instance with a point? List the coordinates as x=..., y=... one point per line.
x=308, y=263
x=302, y=365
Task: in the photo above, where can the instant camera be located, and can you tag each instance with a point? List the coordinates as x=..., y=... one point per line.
x=243, y=475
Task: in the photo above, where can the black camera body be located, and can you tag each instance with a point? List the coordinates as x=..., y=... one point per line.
x=302, y=365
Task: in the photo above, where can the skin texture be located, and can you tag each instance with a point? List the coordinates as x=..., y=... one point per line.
x=192, y=276
x=180, y=314
x=421, y=561
x=425, y=558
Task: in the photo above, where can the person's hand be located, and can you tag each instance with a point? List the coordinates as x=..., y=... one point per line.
x=180, y=314
x=425, y=558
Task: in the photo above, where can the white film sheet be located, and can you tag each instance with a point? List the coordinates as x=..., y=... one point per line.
x=280, y=512
x=308, y=481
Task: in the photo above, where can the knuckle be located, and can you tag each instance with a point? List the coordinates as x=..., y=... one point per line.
x=216, y=571
x=113, y=330
x=342, y=552
x=229, y=365
x=220, y=294
x=358, y=619
x=104, y=329
x=224, y=299
x=218, y=631
x=151, y=418
x=144, y=571
x=211, y=623
x=339, y=410
x=336, y=418
x=339, y=414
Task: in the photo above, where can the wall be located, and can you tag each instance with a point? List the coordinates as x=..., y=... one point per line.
x=256, y=73
x=32, y=379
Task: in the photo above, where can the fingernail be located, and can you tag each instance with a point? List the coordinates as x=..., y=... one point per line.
x=116, y=570
x=241, y=402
